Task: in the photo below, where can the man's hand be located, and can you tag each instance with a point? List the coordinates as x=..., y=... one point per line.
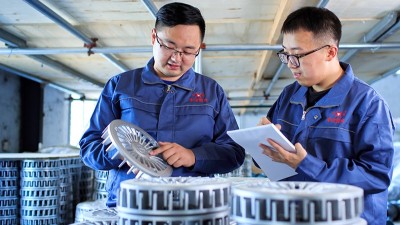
x=293, y=159
x=175, y=154
x=263, y=121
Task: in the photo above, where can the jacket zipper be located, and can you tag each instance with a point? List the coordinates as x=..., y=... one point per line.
x=303, y=117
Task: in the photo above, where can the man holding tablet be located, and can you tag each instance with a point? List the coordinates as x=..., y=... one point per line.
x=341, y=128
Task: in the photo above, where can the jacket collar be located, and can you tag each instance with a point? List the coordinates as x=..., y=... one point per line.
x=336, y=95
x=149, y=76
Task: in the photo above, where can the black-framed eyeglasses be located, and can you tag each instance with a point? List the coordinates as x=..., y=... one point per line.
x=295, y=58
x=169, y=51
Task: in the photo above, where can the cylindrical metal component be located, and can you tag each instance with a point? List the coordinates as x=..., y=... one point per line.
x=296, y=203
x=173, y=196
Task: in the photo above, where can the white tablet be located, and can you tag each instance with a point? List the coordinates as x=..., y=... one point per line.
x=260, y=134
x=250, y=139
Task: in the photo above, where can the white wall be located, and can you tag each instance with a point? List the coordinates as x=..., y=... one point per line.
x=55, y=115
x=55, y=118
x=9, y=112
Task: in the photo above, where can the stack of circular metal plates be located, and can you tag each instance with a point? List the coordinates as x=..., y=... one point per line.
x=66, y=214
x=9, y=200
x=40, y=180
x=86, y=184
x=100, y=180
x=133, y=146
x=107, y=216
x=174, y=200
x=297, y=203
x=76, y=171
x=87, y=206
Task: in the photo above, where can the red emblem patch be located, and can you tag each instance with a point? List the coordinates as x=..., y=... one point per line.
x=337, y=117
x=198, y=97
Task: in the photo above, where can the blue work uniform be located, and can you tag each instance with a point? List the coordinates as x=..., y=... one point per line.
x=348, y=135
x=193, y=112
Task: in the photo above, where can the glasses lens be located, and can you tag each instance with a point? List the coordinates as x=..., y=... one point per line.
x=282, y=57
x=294, y=60
x=172, y=51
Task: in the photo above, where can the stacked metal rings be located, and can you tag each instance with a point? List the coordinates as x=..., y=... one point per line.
x=174, y=200
x=297, y=203
x=40, y=180
x=100, y=180
x=9, y=182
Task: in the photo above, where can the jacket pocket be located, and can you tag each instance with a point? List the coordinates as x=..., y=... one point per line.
x=142, y=114
x=194, y=124
x=330, y=143
x=333, y=133
x=127, y=104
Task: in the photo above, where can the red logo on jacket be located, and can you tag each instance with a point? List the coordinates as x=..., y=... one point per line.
x=198, y=97
x=337, y=117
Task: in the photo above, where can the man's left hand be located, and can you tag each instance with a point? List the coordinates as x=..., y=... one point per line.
x=293, y=159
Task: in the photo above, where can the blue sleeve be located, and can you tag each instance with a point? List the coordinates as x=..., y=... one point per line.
x=93, y=152
x=371, y=166
x=222, y=155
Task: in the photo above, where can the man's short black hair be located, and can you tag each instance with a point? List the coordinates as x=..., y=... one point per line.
x=177, y=13
x=320, y=21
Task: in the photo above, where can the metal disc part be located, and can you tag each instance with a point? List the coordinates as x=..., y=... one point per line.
x=134, y=145
x=296, y=203
x=173, y=196
x=215, y=218
x=106, y=215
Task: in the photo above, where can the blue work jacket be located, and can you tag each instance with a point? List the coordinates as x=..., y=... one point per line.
x=193, y=112
x=348, y=135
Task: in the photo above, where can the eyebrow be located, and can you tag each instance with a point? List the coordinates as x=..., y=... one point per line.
x=296, y=48
x=173, y=43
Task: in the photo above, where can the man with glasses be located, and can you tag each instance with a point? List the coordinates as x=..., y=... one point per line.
x=342, y=129
x=186, y=112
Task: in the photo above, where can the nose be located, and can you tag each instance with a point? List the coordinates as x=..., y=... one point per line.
x=292, y=65
x=175, y=55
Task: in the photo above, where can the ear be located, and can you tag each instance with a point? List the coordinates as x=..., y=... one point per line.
x=153, y=36
x=332, y=52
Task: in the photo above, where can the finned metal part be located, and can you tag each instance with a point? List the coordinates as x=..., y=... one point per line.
x=133, y=145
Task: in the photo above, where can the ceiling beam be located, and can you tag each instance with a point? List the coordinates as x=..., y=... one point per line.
x=378, y=30
x=65, y=69
x=143, y=49
x=16, y=41
x=391, y=72
x=11, y=40
x=40, y=80
x=63, y=23
x=283, y=12
x=272, y=37
x=151, y=7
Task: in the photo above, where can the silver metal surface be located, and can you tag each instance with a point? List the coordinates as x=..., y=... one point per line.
x=134, y=145
x=246, y=180
x=107, y=216
x=173, y=196
x=217, y=218
x=39, y=191
x=9, y=200
x=87, y=206
x=296, y=203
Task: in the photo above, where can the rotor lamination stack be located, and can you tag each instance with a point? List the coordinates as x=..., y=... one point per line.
x=9, y=188
x=40, y=180
x=174, y=200
x=297, y=203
